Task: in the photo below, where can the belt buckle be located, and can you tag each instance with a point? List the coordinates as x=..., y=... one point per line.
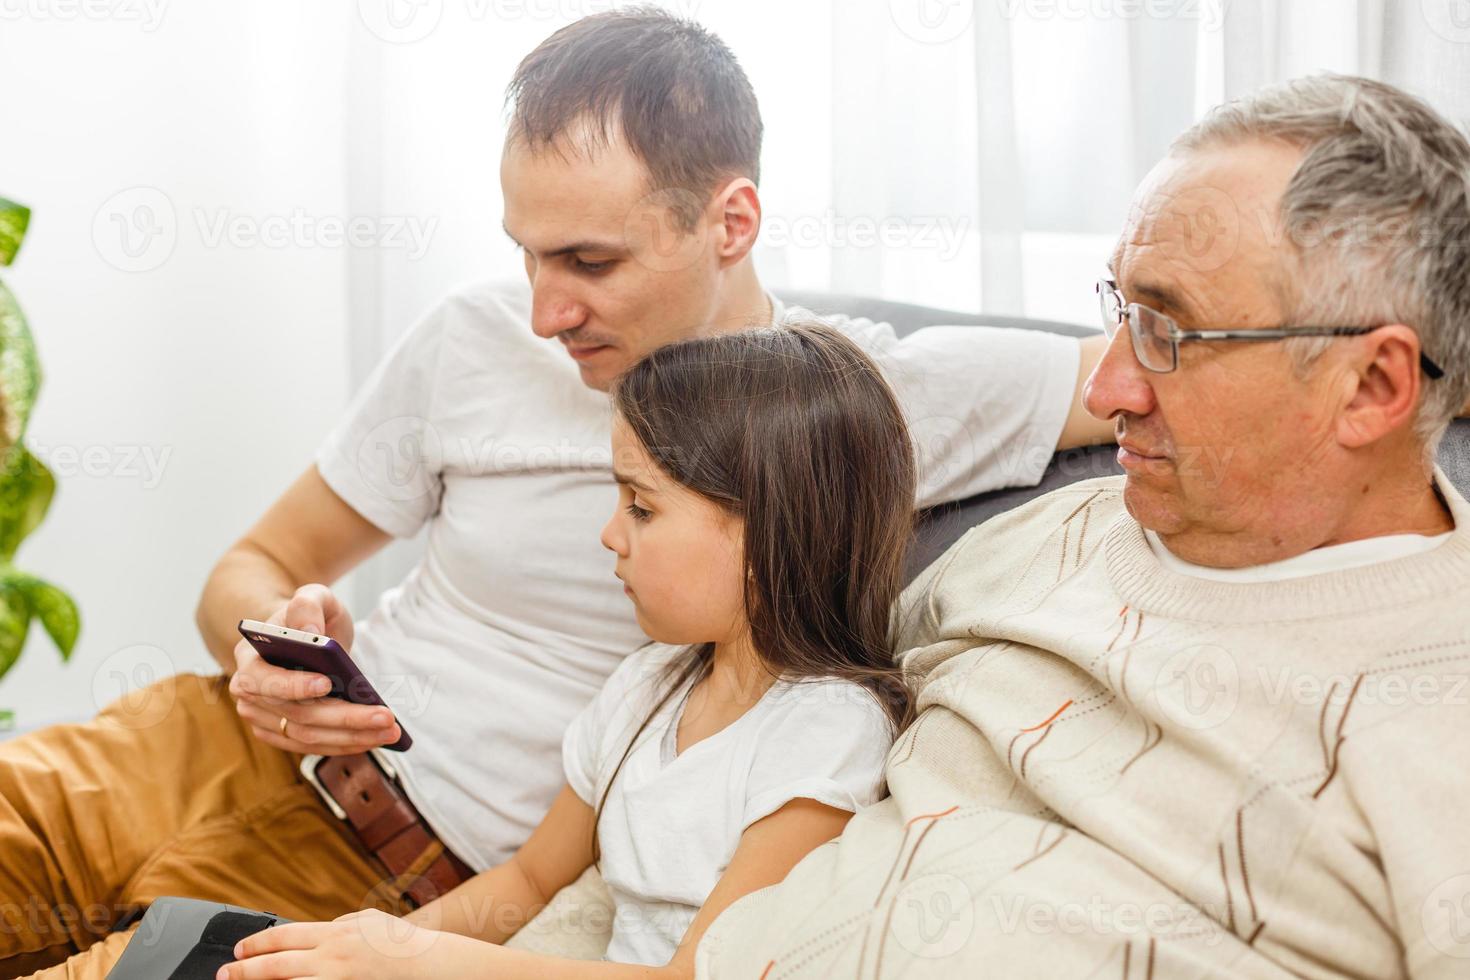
x=380, y=756
x=308, y=772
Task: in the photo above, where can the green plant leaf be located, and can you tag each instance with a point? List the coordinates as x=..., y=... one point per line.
x=20, y=370
x=26, y=488
x=56, y=610
x=13, y=221
x=15, y=623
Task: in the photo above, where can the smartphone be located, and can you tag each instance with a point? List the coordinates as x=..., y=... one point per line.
x=298, y=650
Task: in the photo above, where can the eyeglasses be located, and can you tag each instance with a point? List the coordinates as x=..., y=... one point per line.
x=1156, y=337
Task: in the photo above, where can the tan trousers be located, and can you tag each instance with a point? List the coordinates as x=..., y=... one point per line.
x=165, y=792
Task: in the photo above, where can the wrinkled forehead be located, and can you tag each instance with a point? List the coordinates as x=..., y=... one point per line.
x=1203, y=241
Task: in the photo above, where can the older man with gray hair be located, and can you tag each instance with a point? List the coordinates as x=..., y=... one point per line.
x=1208, y=718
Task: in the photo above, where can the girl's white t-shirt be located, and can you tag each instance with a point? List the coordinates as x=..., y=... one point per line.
x=672, y=820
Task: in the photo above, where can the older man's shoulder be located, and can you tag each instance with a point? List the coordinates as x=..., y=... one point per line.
x=1037, y=517
x=1075, y=515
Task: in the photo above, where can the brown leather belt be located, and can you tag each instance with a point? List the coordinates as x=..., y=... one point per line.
x=358, y=790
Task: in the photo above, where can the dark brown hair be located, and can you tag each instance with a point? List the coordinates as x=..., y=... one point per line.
x=794, y=430
x=671, y=89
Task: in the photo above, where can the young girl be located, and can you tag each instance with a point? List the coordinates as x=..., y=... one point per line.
x=766, y=488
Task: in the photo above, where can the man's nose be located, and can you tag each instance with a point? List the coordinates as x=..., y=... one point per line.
x=553, y=311
x=1118, y=383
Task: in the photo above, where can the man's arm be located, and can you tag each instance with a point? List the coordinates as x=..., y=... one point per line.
x=1081, y=429
x=277, y=573
x=309, y=535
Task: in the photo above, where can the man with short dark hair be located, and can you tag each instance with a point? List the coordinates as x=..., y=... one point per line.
x=629, y=175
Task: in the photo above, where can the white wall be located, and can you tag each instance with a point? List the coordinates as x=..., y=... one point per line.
x=221, y=363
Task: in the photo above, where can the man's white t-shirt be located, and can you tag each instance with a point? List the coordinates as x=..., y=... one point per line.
x=672, y=820
x=512, y=620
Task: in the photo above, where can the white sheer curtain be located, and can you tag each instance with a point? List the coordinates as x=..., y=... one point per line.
x=1028, y=122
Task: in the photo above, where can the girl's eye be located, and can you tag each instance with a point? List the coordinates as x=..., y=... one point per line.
x=638, y=513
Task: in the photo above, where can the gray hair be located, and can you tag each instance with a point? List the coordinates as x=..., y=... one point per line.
x=1378, y=212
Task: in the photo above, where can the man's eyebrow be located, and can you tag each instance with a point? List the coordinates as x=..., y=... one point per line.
x=586, y=245
x=1161, y=298
x=631, y=481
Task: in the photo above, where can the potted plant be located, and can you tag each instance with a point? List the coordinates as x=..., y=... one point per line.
x=26, y=485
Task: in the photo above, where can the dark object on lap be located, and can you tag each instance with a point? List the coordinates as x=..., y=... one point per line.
x=187, y=939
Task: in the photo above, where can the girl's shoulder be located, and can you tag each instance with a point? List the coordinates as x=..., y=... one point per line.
x=828, y=702
x=824, y=739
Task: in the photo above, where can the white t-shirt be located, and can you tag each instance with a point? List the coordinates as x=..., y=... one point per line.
x=512, y=619
x=1318, y=561
x=672, y=820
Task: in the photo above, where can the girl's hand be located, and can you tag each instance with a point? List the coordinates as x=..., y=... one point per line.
x=366, y=945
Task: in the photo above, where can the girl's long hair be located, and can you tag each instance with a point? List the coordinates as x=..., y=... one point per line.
x=794, y=430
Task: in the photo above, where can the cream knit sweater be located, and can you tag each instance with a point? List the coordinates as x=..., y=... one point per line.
x=1122, y=772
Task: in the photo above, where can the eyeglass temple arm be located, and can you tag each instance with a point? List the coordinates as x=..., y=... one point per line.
x=1433, y=370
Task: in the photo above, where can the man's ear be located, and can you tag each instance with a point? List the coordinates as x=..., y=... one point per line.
x=1386, y=381
x=735, y=217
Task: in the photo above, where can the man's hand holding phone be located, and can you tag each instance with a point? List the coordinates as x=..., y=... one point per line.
x=315, y=724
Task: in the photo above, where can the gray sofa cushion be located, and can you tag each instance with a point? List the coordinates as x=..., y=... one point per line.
x=939, y=527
